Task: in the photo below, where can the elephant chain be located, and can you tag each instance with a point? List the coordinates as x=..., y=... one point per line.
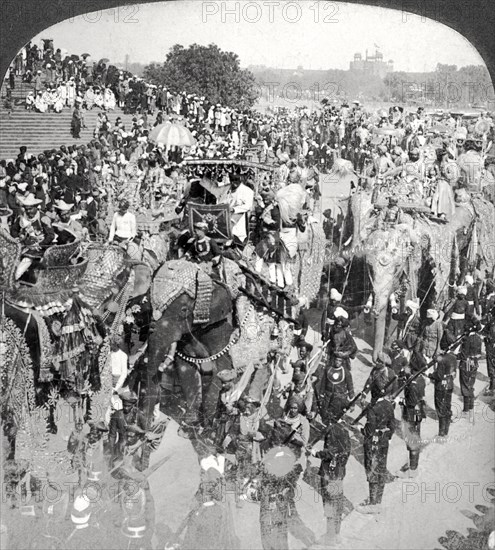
x=234, y=340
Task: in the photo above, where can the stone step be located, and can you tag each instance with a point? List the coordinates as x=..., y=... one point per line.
x=41, y=131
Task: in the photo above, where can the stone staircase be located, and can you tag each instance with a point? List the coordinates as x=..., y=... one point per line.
x=41, y=131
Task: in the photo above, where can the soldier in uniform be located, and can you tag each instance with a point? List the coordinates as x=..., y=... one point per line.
x=379, y=428
x=379, y=379
x=443, y=378
x=336, y=383
x=278, y=512
x=342, y=343
x=334, y=457
x=430, y=336
x=456, y=317
x=275, y=493
x=469, y=354
x=413, y=413
x=201, y=248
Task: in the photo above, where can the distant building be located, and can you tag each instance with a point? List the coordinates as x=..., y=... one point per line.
x=372, y=65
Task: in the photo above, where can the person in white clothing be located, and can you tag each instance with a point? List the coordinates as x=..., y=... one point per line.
x=123, y=228
x=118, y=364
x=240, y=197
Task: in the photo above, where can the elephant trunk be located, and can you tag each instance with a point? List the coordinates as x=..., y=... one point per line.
x=380, y=322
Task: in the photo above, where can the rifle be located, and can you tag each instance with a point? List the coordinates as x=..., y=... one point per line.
x=409, y=380
x=338, y=420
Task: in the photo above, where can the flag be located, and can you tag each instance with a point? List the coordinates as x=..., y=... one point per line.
x=377, y=47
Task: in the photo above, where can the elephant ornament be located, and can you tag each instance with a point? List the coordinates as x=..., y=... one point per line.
x=423, y=250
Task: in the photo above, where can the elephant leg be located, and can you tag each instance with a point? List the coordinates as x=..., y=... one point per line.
x=211, y=386
x=191, y=384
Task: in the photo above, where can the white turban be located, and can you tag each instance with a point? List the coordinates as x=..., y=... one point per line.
x=469, y=279
x=432, y=314
x=341, y=312
x=412, y=305
x=462, y=290
x=335, y=295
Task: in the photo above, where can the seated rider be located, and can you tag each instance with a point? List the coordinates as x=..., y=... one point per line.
x=200, y=247
x=124, y=228
x=390, y=215
x=67, y=225
x=34, y=231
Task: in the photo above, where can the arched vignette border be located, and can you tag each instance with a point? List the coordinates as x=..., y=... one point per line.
x=21, y=20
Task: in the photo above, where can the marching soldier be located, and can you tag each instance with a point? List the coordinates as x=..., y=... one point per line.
x=443, y=378
x=275, y=509
x=342, y=343
x=468, y=366
x=430, y=336
x=379, y=428
x=379, y=378
x=334, y=457
x=413, y=413
x=457, y=317
x=336, y=384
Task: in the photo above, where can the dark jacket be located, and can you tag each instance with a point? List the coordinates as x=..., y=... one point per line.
x=380, y=422
x=335, y=453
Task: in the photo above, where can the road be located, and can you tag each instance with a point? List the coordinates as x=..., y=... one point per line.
x=453, y=475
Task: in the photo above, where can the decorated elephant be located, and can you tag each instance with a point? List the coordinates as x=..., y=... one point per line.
x=206, y=325
x=53, y=332
x=424, y=257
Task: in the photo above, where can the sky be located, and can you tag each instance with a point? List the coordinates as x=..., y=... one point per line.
x=279, y=34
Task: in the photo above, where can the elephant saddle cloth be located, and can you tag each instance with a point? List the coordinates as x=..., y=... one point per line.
x=178, y=276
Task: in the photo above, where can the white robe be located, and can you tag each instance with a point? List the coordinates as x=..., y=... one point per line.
x=109, y=99
x=40, y=104
x=241, y=201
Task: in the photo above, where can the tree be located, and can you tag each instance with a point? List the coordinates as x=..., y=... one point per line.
x=205, y=71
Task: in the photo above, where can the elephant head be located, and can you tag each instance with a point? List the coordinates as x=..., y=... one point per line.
x=176, y=325
x=388, y=253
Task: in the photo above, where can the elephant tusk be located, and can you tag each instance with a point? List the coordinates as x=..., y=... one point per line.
x=369, y=304
x=393, y=303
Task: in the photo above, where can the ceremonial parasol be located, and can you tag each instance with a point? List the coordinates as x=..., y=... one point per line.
x=84, y=55
x=103, y=60
x=171, y=134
